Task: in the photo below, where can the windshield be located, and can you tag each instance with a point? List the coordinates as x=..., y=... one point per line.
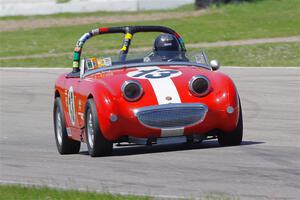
x=197, y=58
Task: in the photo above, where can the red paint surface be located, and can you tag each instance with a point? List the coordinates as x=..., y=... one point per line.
x=105, y=88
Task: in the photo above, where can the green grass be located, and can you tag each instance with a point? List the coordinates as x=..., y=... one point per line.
x=262, y=19
x=9, y=192
x=65, y=15
x=276, y=54
x=57, y=62
x=18, y=192
x=62, y=1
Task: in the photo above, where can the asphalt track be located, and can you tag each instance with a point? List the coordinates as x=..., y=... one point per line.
x=265, y=166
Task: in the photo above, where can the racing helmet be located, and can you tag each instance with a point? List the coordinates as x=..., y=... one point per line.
x=166, y=46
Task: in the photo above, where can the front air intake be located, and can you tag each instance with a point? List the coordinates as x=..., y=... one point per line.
x=171, y=115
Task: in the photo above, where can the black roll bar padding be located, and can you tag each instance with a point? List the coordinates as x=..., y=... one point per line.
x=163, y=29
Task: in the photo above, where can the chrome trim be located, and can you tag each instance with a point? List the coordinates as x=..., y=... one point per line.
x=134, y=65
x=128, y=82
x=191, y=87
x=58, y=125
x=215, y=65
x=137, y=111
x=90, y=129
x=205, y=57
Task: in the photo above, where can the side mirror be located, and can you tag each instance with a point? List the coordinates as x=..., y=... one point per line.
x=215, y=65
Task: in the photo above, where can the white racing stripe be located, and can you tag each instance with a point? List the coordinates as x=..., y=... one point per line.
x=164, y=89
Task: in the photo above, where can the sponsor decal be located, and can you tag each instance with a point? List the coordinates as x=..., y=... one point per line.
x=168, y=98
x=80, y=44
x=76, y=56
x=91, y=63
x=77, y=49
x=128, y=36
x=75, y=64
x=105, y=62
x=71, y=105
x=103, y=30
x=81, y=115
x=95, y=31
x=79, y=104
x=94, y=63
x=124, y=48
x=85, y=37
x=69, y=132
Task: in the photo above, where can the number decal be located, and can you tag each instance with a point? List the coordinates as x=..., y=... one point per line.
x=162, y=74
x=144, y=72
x=71, y=105
x=154, y=73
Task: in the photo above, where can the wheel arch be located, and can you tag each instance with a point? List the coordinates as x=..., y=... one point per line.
x=105, y=106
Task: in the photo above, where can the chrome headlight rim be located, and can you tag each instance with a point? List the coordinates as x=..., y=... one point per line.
x=194, y=78
x=125, y=84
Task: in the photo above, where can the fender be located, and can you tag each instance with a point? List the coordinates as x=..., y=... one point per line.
x=105, y=106
x=226, y=102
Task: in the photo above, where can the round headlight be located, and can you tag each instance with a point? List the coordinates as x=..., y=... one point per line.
x=132, y=90
x=199, y=86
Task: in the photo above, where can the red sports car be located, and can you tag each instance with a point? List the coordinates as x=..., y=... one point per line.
x=166, y=92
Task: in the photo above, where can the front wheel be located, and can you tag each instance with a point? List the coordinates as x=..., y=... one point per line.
x=97, y=144
x=65, y=145
x=236, y=136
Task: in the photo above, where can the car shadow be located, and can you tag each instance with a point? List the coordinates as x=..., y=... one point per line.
x=133, y=149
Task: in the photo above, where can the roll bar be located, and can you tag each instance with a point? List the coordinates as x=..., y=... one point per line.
x=129, y=31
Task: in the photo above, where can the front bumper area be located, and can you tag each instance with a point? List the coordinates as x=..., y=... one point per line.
x=169, y=120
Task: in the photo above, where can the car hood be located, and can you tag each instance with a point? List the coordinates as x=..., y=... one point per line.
x=161, y=84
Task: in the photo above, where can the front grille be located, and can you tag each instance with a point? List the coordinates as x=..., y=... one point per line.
x=171, y=115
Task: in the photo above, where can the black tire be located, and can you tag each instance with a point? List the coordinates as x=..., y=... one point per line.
x=235, y=137
x=65, y=145
x=97, y=144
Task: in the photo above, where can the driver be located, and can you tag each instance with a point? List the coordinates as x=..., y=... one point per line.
x=167, y=48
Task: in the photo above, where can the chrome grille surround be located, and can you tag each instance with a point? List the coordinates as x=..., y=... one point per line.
x=171, y=115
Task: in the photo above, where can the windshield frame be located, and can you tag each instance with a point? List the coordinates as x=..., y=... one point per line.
x=135, y=65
